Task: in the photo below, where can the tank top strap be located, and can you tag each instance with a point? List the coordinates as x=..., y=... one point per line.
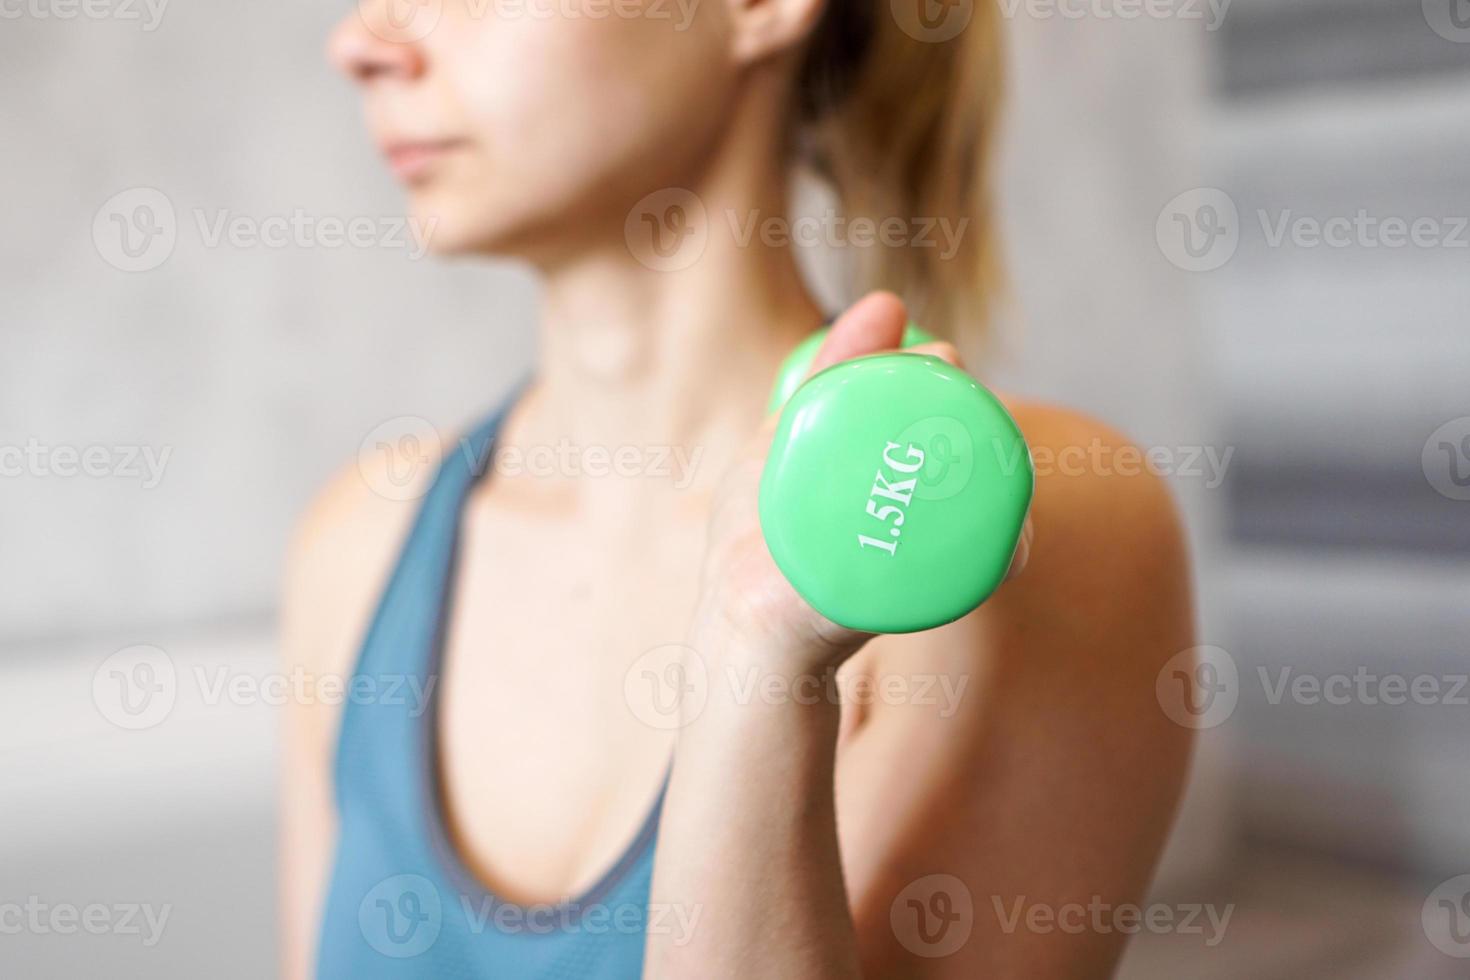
x=379, y=745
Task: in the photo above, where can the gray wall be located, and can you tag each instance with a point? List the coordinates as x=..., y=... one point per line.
x=1337, y=364
x=260, y=370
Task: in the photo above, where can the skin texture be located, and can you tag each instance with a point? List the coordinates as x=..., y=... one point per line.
x=790, y=828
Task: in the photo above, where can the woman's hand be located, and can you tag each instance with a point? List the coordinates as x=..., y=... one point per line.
x=744, y=596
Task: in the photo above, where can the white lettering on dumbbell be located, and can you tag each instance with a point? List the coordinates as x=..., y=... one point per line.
x=899, y=491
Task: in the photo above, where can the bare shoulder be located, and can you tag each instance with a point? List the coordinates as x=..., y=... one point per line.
x=1086, y=468
x=1108, y=542
x=1093, y=483
x=1107, y=581
x=341, y=553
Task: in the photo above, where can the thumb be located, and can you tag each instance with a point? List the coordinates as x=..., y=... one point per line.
x=872, y=324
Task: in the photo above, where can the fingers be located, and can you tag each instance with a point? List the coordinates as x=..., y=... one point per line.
x=1023, y=550
x=872, y=324
x=949, y=353
x=941, y=349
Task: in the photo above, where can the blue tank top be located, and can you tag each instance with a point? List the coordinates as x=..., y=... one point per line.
x=401, y=903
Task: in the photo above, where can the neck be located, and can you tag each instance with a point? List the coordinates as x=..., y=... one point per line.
x=635, y=356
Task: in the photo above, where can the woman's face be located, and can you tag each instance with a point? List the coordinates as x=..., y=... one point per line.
x=517, y=125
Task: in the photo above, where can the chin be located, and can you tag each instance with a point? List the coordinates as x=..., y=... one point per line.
x=451, y=232
x=454, y=226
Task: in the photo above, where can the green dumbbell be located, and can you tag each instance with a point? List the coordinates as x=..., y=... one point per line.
x=794, y=369
x=895, y=491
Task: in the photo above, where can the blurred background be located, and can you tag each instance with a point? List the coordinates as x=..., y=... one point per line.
x=1236, y=229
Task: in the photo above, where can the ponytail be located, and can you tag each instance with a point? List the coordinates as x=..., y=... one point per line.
x=903, y=128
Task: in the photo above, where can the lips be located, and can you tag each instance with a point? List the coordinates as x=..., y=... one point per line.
x=414, y=160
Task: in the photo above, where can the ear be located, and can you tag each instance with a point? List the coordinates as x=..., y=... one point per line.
x=762, y=28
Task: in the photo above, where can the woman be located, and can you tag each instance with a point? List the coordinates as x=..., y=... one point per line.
x=535, y=815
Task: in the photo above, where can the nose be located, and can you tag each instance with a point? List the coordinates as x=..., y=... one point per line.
x=364, y=46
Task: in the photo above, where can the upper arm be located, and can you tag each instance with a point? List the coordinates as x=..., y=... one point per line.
x=1053, y=782
x=338, y=559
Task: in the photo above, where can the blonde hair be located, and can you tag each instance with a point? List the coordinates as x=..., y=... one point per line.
x=904, y=127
